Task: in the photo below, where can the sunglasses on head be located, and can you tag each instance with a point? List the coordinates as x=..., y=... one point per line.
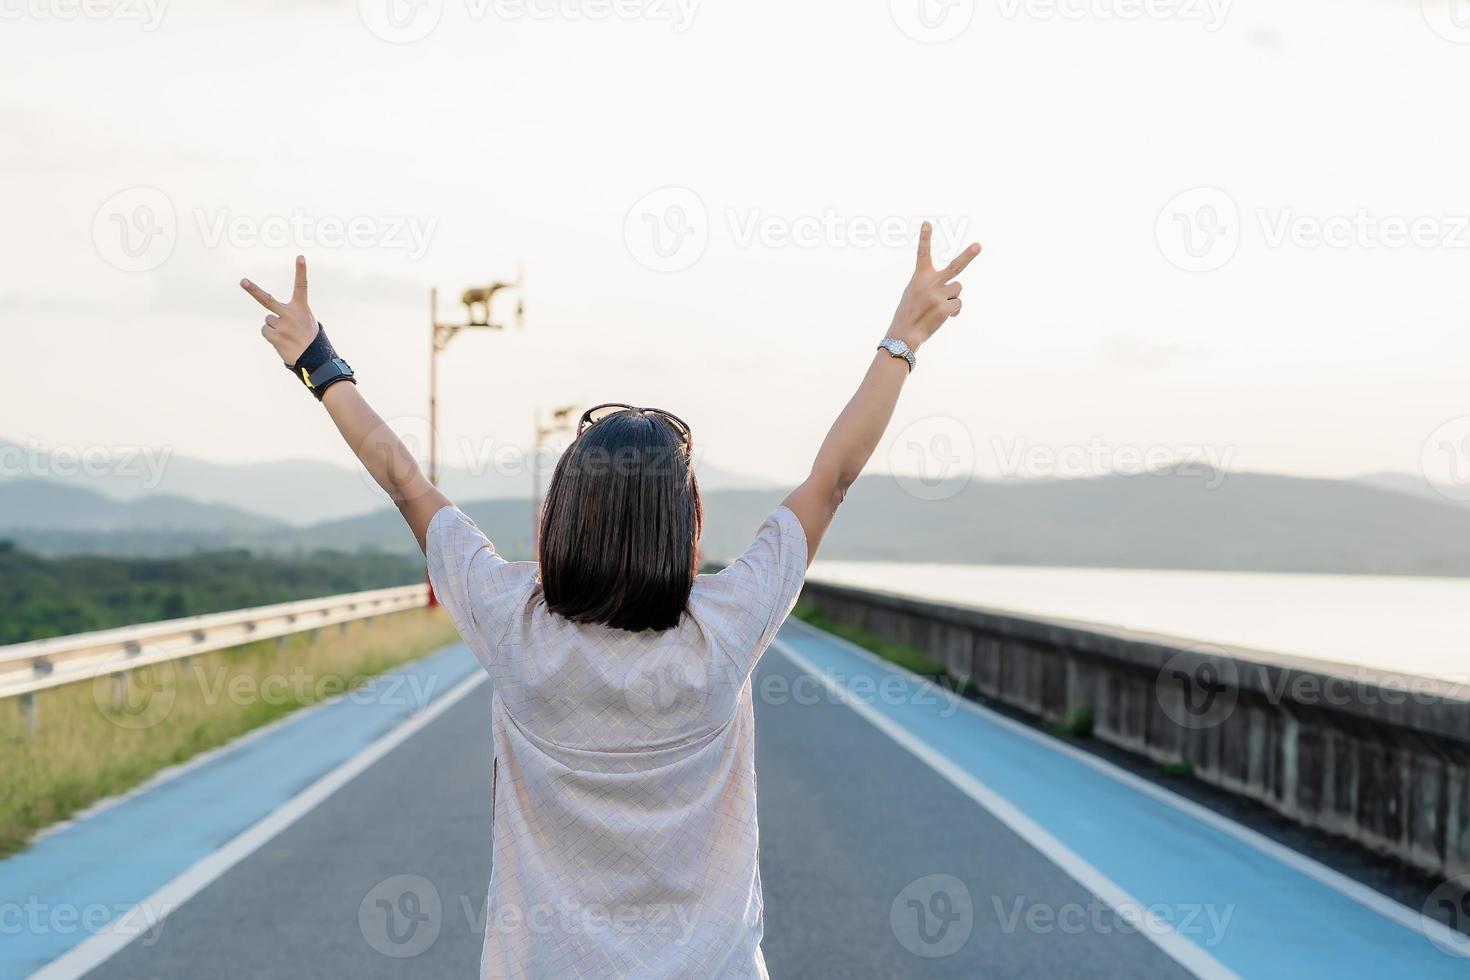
x=597, y=413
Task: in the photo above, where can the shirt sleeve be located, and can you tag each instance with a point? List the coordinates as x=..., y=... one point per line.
x=480, y=590
x=747, y=602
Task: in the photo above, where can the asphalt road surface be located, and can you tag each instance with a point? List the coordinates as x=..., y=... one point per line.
x=904, y=833
x=848, y=820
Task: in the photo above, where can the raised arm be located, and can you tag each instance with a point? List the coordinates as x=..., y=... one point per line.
x=291, y=329
x=931, y=297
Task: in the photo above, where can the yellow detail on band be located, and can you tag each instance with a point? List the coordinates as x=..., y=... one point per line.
x=307, y=378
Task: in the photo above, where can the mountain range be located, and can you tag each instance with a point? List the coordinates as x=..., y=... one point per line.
x=298, y=492
x=1186, y=519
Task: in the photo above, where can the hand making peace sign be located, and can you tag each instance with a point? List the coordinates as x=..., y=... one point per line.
x=290, y=327
x=932, y=295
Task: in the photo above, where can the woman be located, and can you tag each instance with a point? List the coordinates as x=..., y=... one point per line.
x=624, y=833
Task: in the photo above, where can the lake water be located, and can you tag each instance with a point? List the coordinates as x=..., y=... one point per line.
x=1401, y=624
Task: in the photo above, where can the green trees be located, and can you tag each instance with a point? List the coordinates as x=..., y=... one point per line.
x=42, y=597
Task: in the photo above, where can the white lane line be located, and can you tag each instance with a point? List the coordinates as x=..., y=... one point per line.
x=1184, y=952
x=148, y=914
x=1432, y=929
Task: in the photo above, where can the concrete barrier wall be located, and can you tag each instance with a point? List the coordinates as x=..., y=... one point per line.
x=1377, y=758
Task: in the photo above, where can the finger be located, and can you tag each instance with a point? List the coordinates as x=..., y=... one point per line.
x=273, y=322
x=925, y=260
x=960, y=261
x=953, y=306
x=298, y=294
x=951, y=290
x=262, y=297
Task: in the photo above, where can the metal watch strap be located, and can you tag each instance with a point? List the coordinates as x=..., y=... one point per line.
x=897, y=348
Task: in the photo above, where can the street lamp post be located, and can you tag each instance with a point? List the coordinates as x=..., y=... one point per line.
x=477, y=307
x=561, y=421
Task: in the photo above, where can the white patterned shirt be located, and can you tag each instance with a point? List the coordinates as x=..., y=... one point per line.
x=624, y=841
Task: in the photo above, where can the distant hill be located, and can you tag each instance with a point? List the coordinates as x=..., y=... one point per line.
x=45, y=504
x=1241, y=521
x=1414, y=486
x=293, y=491
x=1251, y=522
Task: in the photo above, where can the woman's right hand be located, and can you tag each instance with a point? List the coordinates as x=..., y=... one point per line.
x=932, y=296
x=290, y=327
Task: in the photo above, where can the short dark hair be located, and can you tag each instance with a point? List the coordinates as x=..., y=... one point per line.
x=620, y=526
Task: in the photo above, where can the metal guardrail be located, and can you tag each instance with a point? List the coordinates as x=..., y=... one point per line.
x=26, y=668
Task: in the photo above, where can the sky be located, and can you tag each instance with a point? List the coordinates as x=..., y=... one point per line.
x=1229, y=232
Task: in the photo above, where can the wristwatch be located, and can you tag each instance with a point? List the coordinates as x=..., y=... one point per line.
x=898, y=349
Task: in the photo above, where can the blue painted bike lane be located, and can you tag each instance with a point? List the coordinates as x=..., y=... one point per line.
x=76, y=881
x=1254, y=913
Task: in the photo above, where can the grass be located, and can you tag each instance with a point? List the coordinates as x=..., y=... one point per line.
x=1078, y=725
x=98, y=739
x=896, y=653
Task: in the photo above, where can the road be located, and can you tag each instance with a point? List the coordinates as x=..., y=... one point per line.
x=903, y=834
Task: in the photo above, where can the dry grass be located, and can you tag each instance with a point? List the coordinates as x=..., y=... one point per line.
x=97, y=739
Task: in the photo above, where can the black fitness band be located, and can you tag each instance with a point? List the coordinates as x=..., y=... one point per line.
x=319, y=367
